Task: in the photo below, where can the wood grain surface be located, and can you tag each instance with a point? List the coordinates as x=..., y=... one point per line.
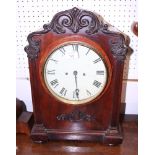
x=25, y=146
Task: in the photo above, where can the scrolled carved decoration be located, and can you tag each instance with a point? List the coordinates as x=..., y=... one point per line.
x=33, y=48
x=75, y=21
x=76, y=115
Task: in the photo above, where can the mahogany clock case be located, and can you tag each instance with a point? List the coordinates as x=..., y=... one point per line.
x=97, y=120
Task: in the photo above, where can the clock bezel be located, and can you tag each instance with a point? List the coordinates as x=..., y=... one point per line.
x=88, y=43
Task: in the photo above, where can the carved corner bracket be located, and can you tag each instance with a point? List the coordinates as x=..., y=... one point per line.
x=118, y=47
x=33, y=48
x=75, y=115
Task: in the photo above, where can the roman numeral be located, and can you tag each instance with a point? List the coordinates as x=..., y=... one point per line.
x=75, y=47
x=56, y=61
x=74, y=94
x=97, y=60
x=62, y=50
x=96, y=83
x=88, y=92
x=52, y=72
x=88, y=51
x=54, y=83
x=100, y=72
x=63, y=91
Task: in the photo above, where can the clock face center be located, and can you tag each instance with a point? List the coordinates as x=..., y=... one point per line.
x=85, y=74
x=75, y=73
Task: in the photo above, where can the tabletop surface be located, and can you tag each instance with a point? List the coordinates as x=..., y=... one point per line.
x=25, y=146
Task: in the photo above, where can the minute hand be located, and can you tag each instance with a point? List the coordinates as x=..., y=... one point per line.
x=75, y=74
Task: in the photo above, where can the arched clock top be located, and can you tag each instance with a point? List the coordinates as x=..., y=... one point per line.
x=78, y=21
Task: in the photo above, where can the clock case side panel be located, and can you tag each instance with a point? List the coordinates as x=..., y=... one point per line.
x=115, y=102
x=113, y=42
x=116, y=47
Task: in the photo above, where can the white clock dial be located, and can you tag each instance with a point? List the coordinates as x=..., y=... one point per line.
x=75, y=73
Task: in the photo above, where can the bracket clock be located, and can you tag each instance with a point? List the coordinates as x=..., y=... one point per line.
x=76, y=67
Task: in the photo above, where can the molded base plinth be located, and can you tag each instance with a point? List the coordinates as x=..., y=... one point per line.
x=112, y=136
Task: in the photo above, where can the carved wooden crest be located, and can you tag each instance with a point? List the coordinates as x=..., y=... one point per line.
x=77, y=21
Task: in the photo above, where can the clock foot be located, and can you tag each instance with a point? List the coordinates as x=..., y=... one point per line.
x=113, y=136
x=38, y=134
